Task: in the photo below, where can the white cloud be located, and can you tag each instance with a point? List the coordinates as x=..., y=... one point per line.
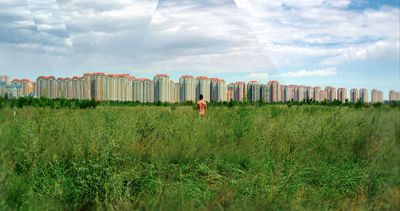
x=207, y=36
x=331, y=71
x=293, y=31
x=259, y=76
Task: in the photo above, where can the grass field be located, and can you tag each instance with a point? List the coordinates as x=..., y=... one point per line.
x=248, y=158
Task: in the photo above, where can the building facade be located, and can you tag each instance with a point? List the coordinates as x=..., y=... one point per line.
x=274, y=91
x=253, y=91
x=203, y=86
x=187, y=88
x=394, y=95
x=354, y=95
x=47, y=87
x=143, y=90
x=342, y=94
x=240, y=91
x=161, y=88
x=363, y=95
x=218, y=90
x=376, y=96
x=330, y=93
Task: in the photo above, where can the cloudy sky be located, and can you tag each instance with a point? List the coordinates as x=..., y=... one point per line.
x=344, y=43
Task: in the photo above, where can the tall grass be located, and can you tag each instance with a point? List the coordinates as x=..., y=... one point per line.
x=271, y=157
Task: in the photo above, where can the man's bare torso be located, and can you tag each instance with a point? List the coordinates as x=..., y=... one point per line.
x=202, y=107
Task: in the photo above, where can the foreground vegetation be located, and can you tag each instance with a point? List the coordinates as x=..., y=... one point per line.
x=244, y=157
x=85, y=104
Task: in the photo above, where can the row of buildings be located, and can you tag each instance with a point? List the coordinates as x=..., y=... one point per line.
x=123, y=87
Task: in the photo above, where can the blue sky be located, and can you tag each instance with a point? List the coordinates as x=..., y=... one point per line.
x=343, y=43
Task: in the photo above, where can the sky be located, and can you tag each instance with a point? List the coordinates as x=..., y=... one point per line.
x=342, y=43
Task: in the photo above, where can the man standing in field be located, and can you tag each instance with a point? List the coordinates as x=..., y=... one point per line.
x=202, y=107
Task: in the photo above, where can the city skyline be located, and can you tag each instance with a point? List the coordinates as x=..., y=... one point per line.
x=347, y=43
x=124, y=87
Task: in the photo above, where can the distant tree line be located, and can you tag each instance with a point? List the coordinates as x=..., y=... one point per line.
x=92, y=104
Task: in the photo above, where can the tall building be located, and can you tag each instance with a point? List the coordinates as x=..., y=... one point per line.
x=231, y=92
x=376, y=96
x=317, y=94
x=3, y=85
x=240, y=91
x=265, y=93
x=354, y=95
x=125, y=88
x=342, y=94
x=98, y=86
x=203, y=85
x=27, y=87
x=64, y=88
x=289, y=93
x=218, y=90
x=309, y=93
x=187, y=88
x=87, y=86
x=274, y=91
x=330, y=93
x=47, y=87
x=14, y=89
x=113, y=84
x=174, y=92
x=77, y=87
x=394, y=95
x=143, y=90
x=253, y=90
x=323, y=95
x=161, y=88
x=299, y=93
x=364, y=95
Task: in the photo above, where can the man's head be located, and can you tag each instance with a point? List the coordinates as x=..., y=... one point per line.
x=201, y=97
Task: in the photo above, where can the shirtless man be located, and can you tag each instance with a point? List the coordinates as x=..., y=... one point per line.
x=202, y=107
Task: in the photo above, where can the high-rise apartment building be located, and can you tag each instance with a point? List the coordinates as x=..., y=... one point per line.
x=87, y=86
x=64, y=88
x=174, y=92
x=299, y=93
x=187, y=88
x=323, y=95
x=264, y=93
x=363, y=95
x=289, y=93
x=143, y=90
x=218, y=90
x=331, y=93
x=14, y=89
x=309, y=93
x=125, y=88
x=240, y=91
x=98, y=86
x=47, y=87
x=231, y=92
x=161, y=88
x=354, y=95
x=203, y=86
x=77, y=87
x=394, y=95
x=274, y=91
x=342, y=94
x=317, y=94
x=113, y=83
x=376, y=96
x=21, y=88
x=3, y=85
x=253, y=91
